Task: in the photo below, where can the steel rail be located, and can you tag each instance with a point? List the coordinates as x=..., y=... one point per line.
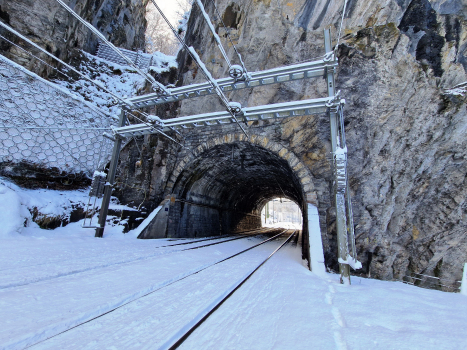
x=246, y=234
x=128, y=261
x=173, y=344
x=157, y=289
x=271, y=76
x=227, y=240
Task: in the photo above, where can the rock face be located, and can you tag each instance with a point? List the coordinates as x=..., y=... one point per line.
x=405, y=127
x=50, y=26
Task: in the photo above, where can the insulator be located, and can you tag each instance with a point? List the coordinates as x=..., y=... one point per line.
x=235, y=107
x=236, y=72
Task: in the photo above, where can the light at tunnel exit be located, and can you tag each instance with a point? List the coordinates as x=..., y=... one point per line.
x=281, y=212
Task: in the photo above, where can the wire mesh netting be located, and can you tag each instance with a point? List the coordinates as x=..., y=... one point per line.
x=44, y=125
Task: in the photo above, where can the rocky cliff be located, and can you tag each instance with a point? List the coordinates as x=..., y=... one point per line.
x=50, y=26
x=405, y=125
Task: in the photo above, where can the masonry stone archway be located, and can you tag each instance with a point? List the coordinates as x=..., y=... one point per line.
x=221, y=186
x=297, y=167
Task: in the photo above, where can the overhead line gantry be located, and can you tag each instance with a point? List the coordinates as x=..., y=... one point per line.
x=247, y=114
x=284, y=74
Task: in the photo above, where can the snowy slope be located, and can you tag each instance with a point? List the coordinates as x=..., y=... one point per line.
x=17, y=205
x=121, y=80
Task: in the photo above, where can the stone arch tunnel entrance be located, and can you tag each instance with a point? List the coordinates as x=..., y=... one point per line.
x=223, y=187
x=223, y=190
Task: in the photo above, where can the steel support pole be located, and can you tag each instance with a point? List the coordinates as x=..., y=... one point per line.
x=339, y=198
x=110, y=178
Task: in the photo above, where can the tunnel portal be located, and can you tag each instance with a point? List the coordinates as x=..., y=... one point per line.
x=223, y=190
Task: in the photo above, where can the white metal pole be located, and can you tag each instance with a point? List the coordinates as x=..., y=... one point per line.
x=464, y=281
x=273, y=213
x=341, y=225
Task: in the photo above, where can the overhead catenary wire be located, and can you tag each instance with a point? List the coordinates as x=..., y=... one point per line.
x=340, y=27
x=148, y=77
x=216, y=36
x=230, y=39
x=191, y=51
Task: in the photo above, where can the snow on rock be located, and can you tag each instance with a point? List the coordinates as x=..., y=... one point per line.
x=121, y=80
x=17, y=205
x=183, y=23
x=459, y=90
x=13, y=214
x=161, y=63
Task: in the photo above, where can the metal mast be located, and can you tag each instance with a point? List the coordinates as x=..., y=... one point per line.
x=342, y=200
x=110, y=177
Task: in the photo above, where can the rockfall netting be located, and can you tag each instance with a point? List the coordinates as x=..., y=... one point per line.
x=42, y=124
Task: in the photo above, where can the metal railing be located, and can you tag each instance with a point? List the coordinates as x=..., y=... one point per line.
x=431, y=282
x=140, y=59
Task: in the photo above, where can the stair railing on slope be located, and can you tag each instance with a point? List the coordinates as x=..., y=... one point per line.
x=140, y=59
x=430, y=282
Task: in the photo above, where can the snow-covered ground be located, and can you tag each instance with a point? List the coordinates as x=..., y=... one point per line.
x=54, y=280
x=284, y=224
x=18, y=204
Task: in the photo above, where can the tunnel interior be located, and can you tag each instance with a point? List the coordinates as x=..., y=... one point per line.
x=224, y=189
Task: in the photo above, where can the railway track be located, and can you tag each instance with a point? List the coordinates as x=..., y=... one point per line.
x=222, y=239
x=242, y=235
x=174, y=342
